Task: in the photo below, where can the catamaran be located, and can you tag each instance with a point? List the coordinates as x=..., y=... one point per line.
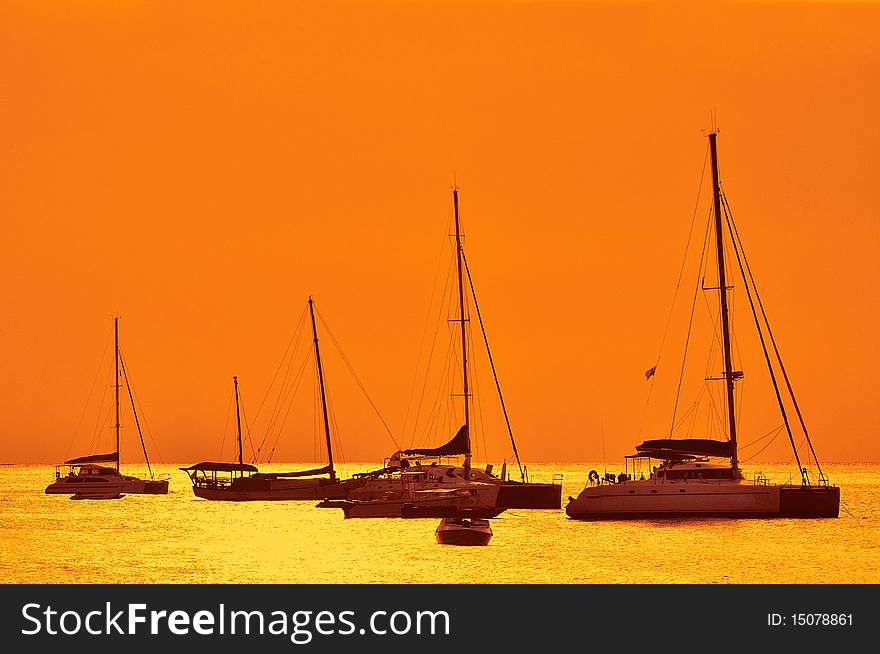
x=701, y=477
x=84, y=477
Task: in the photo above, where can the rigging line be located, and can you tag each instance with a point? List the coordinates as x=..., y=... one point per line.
x=285, y=395
x=719, y=418
x=492, y=364
x=137, y=400
x=647, y=404
x=134, y=412
x=710, y=362
x=424, y=333
x=293, y=339
x=690, y=431
x=289, y=357
x=848, y=511
x=690, y=410
x=89, y=398
x=677, y=286
x=713, y=405
x=477, y=404
x=446, y=292
x=356, y=378
x=96, y=433
x=742, y=395
x=760, y=438
x=334, y=424
x=686, y=250
x=226, y=426
x=775, y=433
x=315, y=419
x=690, y=325
x=442, y=406
x=742, y=271
x=799, y=445
x=292, y=396
x=438, y=407
x=247, y=426
x=735, y=233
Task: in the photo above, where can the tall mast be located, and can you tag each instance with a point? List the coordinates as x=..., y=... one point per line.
x=722, y=283
x=323, y=393
x=116, y=347
x=464, y=359
x=238, y=420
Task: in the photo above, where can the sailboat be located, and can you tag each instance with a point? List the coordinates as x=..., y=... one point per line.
x=433, y=471
x=87, y=479
x=242, y=481
x=690, y=482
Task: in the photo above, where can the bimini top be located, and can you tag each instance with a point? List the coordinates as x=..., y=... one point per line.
x=113, y=457
x=221, y=467
x=684, y=448
x=460, y=444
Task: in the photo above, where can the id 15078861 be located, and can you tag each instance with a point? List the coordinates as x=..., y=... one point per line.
x=810, y=620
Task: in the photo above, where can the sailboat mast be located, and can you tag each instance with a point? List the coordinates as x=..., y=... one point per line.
x=116, y=348
x=323, y=392
x=238, y=420
x=722, y=283
x=464, y=358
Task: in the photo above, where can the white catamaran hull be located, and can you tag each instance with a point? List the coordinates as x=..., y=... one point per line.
x=684, y=499
x=128, y=485
x=633, y=500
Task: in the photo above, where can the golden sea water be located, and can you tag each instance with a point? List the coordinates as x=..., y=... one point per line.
x=179, y=538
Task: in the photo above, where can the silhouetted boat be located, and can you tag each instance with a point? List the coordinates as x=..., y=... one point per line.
x=687, y=484
x=434, y=462
x=244, y=482
x=408, y=502
x=85, y=476
x=463, y=531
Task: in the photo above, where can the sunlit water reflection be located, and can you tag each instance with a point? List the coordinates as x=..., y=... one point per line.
x=179, y=538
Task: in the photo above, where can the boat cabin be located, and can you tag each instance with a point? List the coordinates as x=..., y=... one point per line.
x=700, y=469
x=86, y=472
x=209, y=474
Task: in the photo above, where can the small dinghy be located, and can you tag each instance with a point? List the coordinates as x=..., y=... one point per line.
x=463, y=531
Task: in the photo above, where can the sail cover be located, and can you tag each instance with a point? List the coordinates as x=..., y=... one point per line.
x=112, y=457
x=460, y=444
x=301, y=473
x=670, y=448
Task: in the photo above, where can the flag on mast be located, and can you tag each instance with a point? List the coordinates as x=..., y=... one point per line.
x=650, y=372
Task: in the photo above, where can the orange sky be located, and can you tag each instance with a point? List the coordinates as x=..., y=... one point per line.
x=200, y=168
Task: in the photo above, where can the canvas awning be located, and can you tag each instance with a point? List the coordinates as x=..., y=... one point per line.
x=213, y=466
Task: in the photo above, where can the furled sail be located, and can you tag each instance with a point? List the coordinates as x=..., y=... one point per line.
x=112, y=457
x=300, y=473
x=460, y=444
x=670, y=448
